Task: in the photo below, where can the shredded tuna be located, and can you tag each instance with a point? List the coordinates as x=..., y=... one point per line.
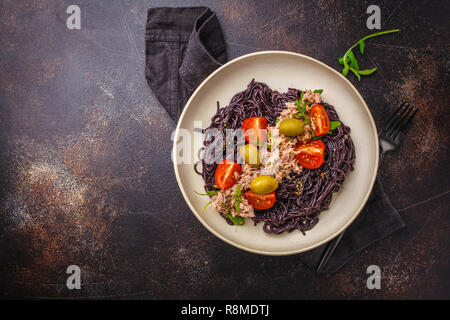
x=312, y=97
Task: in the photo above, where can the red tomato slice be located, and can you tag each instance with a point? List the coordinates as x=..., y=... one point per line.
x=320, y=118
x=311, y=154
x=224, y=176
x=254, y=129
x=260, y=201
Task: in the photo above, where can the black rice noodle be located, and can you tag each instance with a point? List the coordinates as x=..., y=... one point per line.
x=300, y=197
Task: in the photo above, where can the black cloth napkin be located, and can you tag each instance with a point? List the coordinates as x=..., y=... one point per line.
x=183, y=46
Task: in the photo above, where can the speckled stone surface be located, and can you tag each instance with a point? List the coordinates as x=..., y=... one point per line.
x=85, y=170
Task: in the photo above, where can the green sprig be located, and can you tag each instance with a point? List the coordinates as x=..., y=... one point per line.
x=349, y=60
x=237, y=197
x=237, y=220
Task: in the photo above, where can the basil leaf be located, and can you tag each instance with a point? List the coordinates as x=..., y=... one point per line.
x=237, y=220
x=367, y=71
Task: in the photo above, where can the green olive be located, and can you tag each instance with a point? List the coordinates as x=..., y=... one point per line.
x=264, y=184
x=292, y=127
x=250, y=154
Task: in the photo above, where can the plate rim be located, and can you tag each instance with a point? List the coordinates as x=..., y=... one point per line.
x=237, y=245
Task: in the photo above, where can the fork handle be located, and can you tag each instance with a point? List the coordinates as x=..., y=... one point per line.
x=381, y=157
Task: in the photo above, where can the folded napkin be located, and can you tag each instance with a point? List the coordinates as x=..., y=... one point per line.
x=183, y=46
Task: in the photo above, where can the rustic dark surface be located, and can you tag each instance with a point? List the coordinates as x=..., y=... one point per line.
x=85, y=170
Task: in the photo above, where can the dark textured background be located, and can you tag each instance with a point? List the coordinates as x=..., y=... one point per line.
x=85, y=171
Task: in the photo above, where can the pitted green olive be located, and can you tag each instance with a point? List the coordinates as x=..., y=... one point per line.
x=250, y=154
x=264, y=184
x=292, y=127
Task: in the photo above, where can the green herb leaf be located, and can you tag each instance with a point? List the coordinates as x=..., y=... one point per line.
x=237, y=197
x=208, y=193
x=345, y=70
x=237, y=220
x=355, y=72
x=334, y=125
x=362, y=45
x=349, y=57
x=367, y=71
x=353, y=61
x=318, y=91
x=277, y=120
x=206, y=206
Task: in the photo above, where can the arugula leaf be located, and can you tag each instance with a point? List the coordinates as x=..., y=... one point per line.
x=355, y=73
x=353, y=61
x=318, y=91
x=349, y=60
x=362, y=45
x=237, y=196
x=334, y=125
x=208, y=193
x=206, y=206
x=301, y=107
x=366, y=72
x=237, y=220
x=345, y=70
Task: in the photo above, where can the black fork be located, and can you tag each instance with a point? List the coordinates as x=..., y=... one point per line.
x=392, y=134
x=391, y=137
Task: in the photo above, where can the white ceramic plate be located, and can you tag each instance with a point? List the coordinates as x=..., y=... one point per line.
x=282, y=70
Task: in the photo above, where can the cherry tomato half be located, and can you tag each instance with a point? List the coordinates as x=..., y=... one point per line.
x=254, y=129
x=224, y=176
x=320, y=118
x=260, y=201
x=311, y=154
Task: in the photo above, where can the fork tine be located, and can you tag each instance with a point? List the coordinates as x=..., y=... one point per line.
x=401, y=118
x=406, y=122
x=392, y=119
x=396, y=117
